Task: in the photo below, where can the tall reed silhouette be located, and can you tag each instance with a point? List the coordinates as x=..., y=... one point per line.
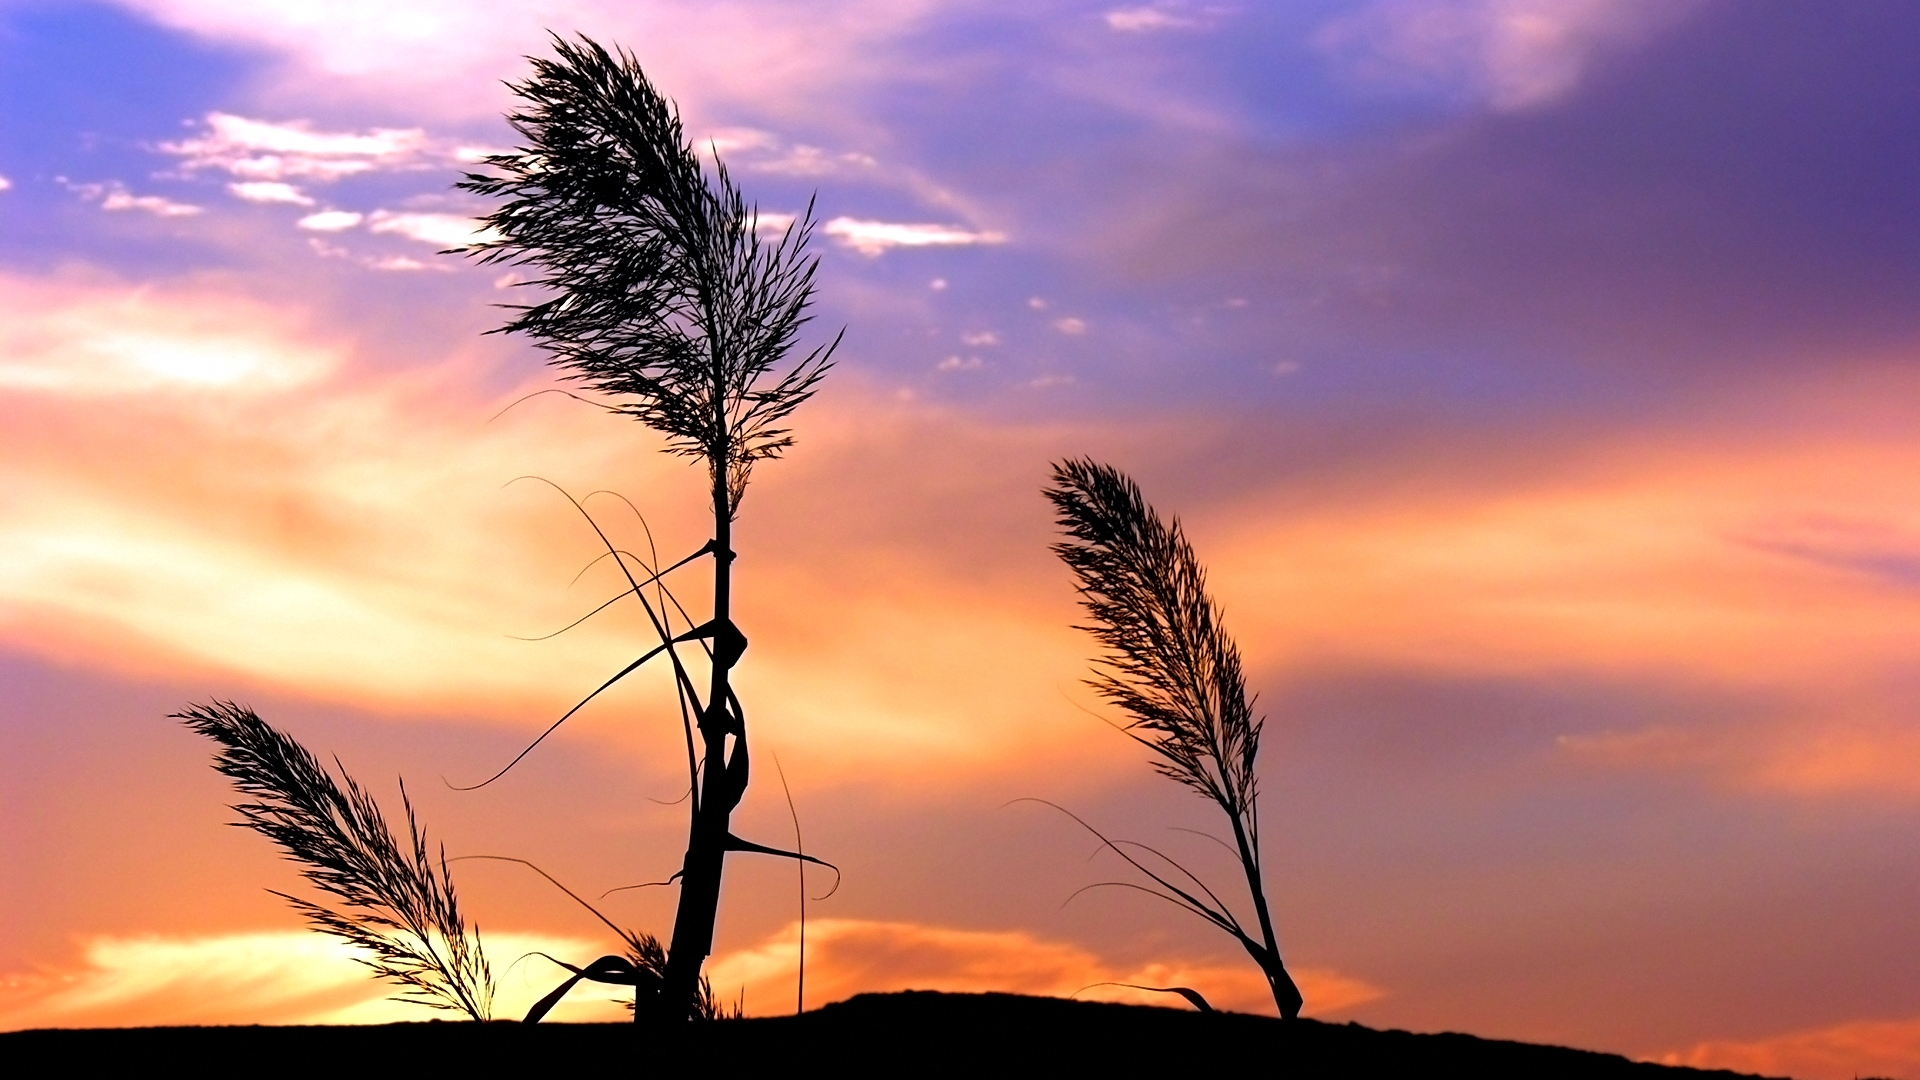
x=1171, y=667
x=664, y=298
x=397, y=903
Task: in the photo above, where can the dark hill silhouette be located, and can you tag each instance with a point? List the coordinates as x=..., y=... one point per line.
x=918, y=1033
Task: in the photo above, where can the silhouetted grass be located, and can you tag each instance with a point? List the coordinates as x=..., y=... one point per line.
x=660, y=294
x=397, y=903
x=1171, y=667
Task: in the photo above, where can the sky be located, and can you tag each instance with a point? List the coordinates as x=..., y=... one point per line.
x=1536, y=378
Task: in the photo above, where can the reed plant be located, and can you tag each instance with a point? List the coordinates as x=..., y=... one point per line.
x=1170, y=666
x=396, y=903
x=660, y=293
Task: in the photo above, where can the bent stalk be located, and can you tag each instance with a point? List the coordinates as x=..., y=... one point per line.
x=1170, y=665
x=663, y=297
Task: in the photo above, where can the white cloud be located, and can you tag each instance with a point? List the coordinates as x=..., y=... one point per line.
x=5, y=183
x=754, y=150
x=404, y=264
x=1511, y=54
x=1136, y=20
x=158, y=205
x=270, y=191
x=473, y=155
x=874, y=237
x=730, y=140
x=331, y=220
x=811, y=161
x=1070, y=326
x=264, y=151
x=771, y=224
x=115, y=196
x=440, y=230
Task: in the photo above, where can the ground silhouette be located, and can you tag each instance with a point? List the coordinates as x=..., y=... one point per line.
x=917, y=1033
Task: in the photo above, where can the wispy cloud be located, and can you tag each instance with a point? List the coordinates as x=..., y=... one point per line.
x=1839, y=1052
x=1811, y=753
x=259, y=978
x=447, y=57
x=306, y=978
x=264, y=151
x=1511, y=54
x=772, y=223
x=1135, y=20
x=270, y=191
x=331, y=220
x=205, y=574
x=114, y=196
x=143, y=341
x=851, y=956
x=754, y=150
x=440, y=230
x=877, y=237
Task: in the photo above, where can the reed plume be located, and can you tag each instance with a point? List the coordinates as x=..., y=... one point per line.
x=1171, y=667
x=397, y=904
x=661, y=294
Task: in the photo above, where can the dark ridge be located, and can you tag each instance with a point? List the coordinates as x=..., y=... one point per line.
x=917, y=1033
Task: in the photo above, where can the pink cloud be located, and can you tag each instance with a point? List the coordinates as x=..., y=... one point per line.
x=1511, y=54
x=438, y=52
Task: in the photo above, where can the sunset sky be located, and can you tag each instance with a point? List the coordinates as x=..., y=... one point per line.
x=1539, y=380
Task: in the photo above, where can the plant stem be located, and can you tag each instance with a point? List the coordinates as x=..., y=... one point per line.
x=1286, y=996
x=720, y=792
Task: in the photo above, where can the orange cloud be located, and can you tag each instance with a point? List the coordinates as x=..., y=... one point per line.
x=262, y=978
x=287, y=513
x=1662, y=561
x=765, y=53
x=852, y=956
x=305, y=978
x=1810, y=757
x=358, y=538
x=1886, y=1048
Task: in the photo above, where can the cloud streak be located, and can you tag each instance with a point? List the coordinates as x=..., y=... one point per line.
x=1512, y=55
x=264, y=152
x=305, y=978
x=853, y=956
x=874, y=238
x=255, y=978
x=113, y=196
x=1839, y=1052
